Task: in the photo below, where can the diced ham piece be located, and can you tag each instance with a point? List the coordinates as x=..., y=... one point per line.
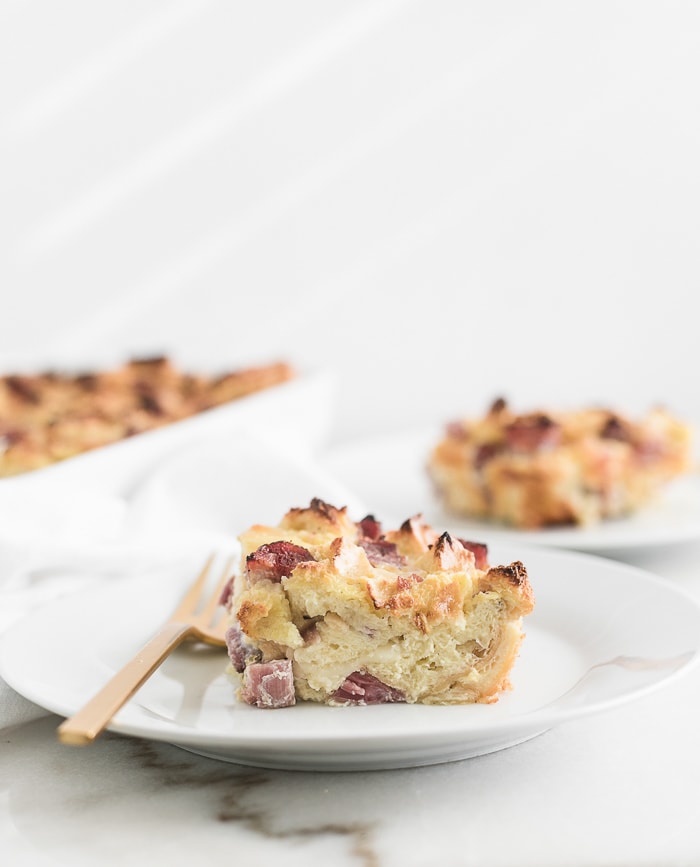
x=9, y=435
x=381, y=552
x=480, y=552
x=239, y=651
x=362, y=688
x=649, y=452
x=23, y=388
x=530, y=433
x=226, y=592
x=456, y=430
x=370, y=528
x=269, y=684
x=614, y=429
x=275, y=560
x=486, y=452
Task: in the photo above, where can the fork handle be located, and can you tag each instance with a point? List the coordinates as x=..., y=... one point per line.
x=84, y=726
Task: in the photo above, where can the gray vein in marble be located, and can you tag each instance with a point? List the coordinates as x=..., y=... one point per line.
x=232, y=791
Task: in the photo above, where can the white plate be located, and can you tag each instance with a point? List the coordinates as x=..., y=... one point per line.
x=577, y=658
x=389, y=472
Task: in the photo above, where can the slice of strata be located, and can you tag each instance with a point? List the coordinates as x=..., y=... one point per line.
x=539, y=469
x=329, y=610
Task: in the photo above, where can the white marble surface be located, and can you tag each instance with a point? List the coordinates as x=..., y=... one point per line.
x=437, y=202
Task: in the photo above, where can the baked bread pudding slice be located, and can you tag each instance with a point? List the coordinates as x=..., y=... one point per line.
x=539, y=469
x=48, y=417
x=330, y=610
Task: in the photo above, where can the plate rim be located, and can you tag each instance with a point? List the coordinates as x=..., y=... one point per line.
x=519, y=726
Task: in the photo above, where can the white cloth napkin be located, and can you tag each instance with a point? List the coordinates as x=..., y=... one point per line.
x=54, y=541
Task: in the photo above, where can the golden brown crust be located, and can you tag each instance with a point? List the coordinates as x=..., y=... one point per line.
x=49, y=417
x=512, y=583
x=408, y=608
x=542, y=469
x=319, y=517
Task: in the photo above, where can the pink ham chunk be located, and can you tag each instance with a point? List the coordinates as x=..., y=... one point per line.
x=362, y=688
x=239, y=651
x=480, y=552
x=370, y=528
x=269, y=684
x=275, y=561
x=382, y=553
x=226, y=593
x=615, y=429
x=457, y=430
x=531, y=433
x=487, y=452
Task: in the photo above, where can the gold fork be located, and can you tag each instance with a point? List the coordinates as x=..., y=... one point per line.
x=194, y=618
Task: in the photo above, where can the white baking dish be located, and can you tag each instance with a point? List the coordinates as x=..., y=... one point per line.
x=297, y=413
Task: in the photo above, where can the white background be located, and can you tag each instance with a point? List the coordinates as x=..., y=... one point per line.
x=439, y=201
